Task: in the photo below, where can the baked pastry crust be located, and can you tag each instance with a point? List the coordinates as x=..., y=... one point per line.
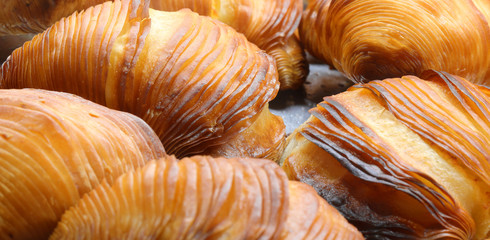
x=55, y=147
x=194, y=80
x=271, y=25
x=204, y=198
x=378, y=39
x=402, y=157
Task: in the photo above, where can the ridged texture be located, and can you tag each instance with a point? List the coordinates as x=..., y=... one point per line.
x=204, y=198
x=401, y=158
x=55, y=147
x=35, y=16
x=194, y=80
x=372, y=39
x=268, y=24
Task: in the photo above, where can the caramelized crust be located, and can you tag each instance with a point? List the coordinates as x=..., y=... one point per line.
x=401, y=158
x=372, y=39
x=268, y=24
x=55, y=147
x=204, y=198
x=194, y=80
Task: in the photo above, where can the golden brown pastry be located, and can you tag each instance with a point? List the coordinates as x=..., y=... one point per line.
x=401, y=158
x=204, y=198
x=268, y=24
x=377, y=39
x=198, y=83
x=34, y=16
x=55, y=147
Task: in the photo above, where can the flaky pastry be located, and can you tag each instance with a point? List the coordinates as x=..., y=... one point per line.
x=204, y=198
x=269, y=24
x=197, y=82
x=377, y=39
x=55, y=147
x=401, y=158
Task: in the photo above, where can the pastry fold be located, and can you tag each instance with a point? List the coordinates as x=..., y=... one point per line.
x=55, y=147
x=204, y=198
x=372, y=39
x=197, y=82
x=401, y=158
